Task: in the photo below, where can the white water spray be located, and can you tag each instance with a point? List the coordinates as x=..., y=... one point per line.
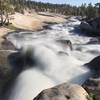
x=55, y=62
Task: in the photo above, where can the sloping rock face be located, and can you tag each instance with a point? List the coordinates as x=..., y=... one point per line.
x=5, y=69
x=7, y=45
x=95, y=65
x=63, y=92
x=85, y=26
x=95, y=23
x=92, y=86
x=92, y=27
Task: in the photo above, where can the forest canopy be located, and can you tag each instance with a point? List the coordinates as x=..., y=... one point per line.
x=10, y=6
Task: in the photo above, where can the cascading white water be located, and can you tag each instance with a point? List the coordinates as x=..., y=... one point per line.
x=55, y=62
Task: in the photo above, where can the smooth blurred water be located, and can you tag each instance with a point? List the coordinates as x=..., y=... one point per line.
x=56, y=63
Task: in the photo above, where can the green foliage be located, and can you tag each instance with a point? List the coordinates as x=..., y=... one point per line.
x=5, y=9
x=82, y=10
x=90, y=96
x=8, y=6
x=90, y=12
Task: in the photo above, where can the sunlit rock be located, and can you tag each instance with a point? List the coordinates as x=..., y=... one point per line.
x=63, y=92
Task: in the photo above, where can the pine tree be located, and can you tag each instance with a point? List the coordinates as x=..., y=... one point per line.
x=97, y=5
x=5, y=9
x=90, y=12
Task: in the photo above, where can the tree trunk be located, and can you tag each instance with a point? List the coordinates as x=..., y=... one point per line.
x=1, y=19
x=7, y=19
x=4, y=20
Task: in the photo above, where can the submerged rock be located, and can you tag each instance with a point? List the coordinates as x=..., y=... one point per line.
x=93, y=87
x=63, y=92
x=66, y=43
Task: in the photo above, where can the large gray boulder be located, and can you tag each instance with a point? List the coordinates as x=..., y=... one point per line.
x=91, y=27
x=95, y=23
x=63, y=92
x=85, y=26
x=93, y=87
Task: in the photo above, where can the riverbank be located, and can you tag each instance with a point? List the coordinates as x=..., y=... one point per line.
x=34, y=21
x=52, y=45
x=52, y=56
x=29, y=21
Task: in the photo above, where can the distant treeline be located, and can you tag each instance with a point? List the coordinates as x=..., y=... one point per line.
x=89, y=11
x=10, y=6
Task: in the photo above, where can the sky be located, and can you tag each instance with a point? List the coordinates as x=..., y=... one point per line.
x=72, y=2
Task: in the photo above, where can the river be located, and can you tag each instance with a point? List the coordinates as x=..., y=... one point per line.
x=56, y=62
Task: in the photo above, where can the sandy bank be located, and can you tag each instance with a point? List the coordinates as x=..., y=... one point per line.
x=33, y=21
x=27, y=21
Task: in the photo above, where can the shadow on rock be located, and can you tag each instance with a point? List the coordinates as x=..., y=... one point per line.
x=95, y=65
x=20, y=61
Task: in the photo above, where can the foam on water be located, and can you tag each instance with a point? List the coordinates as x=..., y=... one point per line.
x=31, y=82
x=56, y=63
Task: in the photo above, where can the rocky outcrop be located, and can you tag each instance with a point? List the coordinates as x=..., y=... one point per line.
x=7, y=45
x=95, y=23
x=92, y=86
x=63, y=92
x=85, y=26
x=95, y=65
x=91, y=27
x=5, y=68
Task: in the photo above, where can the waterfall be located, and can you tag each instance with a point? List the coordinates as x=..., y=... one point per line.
x=55, y=61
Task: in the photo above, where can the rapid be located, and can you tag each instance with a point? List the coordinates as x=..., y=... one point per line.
x=56, y=63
